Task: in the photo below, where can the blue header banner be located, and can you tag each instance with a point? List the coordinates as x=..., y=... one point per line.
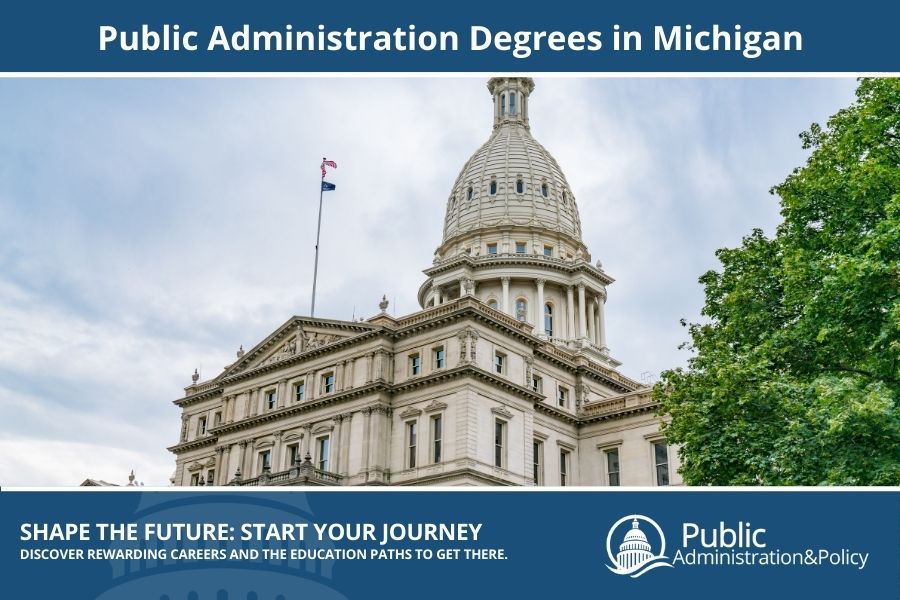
x=107, y=36
x=265, y=545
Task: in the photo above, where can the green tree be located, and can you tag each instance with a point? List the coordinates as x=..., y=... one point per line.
x=793, y=376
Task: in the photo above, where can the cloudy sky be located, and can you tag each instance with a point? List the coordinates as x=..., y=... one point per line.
x=150, y=226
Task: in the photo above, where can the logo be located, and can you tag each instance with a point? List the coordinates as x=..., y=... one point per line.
x=635, y=556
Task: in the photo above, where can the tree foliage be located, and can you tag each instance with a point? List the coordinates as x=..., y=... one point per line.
x=793, y=377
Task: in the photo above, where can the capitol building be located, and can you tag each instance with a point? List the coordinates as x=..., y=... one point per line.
x=503, y=377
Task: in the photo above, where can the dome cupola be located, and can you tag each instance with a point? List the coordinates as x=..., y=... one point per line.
x=511, y=180
x=512, y=235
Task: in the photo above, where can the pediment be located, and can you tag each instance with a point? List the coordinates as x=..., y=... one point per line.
x=298, y=336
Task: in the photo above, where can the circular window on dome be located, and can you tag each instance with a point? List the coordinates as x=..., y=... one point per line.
x=545, y=189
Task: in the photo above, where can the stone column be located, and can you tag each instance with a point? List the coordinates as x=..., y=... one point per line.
x=282, y=393
x=220, y=465
x=348, y=374
x=505, y=304
x=248, y=404
x=339, y=377
x=369, y=361
x=305, y=441
x=539, y=309
x=345, y=443
x=223, y=469
x=242, y=464
x=336, y=444
x=582, y=312
x=229, y=410
x=570, y=316
x=276, y=452
x=367, y=420
x=462, y=287
x=309, y=386
x=592, y=321
x=601, y=323
x=251, y=458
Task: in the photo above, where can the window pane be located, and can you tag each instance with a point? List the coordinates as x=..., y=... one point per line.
x=323, y=454
x=661, y=452
x=612, y=461
x=662, y=475
x=661, y=455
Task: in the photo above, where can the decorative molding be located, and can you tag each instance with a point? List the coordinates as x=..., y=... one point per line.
x=502, y=411
x=435, y=406
x=609, y=444
x=410, y=412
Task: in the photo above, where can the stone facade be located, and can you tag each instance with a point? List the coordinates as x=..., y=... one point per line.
x=503, y=377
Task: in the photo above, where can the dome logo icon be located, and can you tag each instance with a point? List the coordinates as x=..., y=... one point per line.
x=635, y=556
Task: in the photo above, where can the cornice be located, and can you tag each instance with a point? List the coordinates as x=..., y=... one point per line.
x=515, y=260
x=193, y=444
x=616, y=414
x=199, y=397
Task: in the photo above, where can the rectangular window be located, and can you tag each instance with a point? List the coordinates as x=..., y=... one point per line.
x=195, y=478
x=492, y=248
x=323, y=453
x=563, y=467
x=299, y=391
x=520, y=247
x=211, y=477
x=328, y=383
x=217, y=419
x=271, y=399
x=265, y=461
x=563, y=397
x=437, y=426
x=411, y=441
x=499, y=443
x=548, y=251
x=537, y=384
x=499, y=362
x=415, y=364
x=661, y=460
x=612, y=467
x=201, y=426
x=440, y=357
x=538, y=462
x=293, y=454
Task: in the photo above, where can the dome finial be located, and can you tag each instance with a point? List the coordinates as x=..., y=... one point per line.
x=510, y=99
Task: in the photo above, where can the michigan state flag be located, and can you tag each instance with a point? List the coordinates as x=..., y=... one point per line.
x=328, y=187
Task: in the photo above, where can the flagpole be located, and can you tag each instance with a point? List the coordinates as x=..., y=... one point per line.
x=312, y=309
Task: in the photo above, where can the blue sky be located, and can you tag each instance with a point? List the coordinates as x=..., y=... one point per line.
x=150, y=226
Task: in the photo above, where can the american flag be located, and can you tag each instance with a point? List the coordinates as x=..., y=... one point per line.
x=327, y=163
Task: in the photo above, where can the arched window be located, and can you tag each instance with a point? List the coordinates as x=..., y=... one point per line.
x=565, y=198
x=512, y=103
x=469, y=193
x=520, y=186
x=545, y=189
x=502, y=104
x=521, y=309
x=492, y=303
x=548, y=320
x=493, y=187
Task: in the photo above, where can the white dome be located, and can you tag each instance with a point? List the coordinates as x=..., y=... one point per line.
x=511, y=180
